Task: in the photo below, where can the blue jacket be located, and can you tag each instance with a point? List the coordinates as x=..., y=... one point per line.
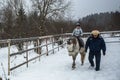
x=95, y=44
x=77, y=32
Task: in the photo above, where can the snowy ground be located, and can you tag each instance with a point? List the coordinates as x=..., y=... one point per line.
x=58, y=66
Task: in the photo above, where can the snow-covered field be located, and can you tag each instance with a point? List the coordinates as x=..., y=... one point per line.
x=58, y=66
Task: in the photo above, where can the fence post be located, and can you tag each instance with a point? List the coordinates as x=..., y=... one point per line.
x=58, y=41
x=46, y=47
x=38, y=49
x=27, y=53
x=58, y=47
x=8, y=58
x=53, y=44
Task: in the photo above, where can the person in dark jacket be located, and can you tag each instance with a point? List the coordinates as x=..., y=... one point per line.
x=95, y=43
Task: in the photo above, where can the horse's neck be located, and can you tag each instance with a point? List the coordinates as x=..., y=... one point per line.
x=77, y=43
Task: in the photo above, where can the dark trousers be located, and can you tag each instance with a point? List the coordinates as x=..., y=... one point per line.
x=81, y=42
x=97, y=59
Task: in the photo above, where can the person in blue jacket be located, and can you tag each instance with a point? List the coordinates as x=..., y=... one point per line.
x=78, y=32
x=95, y=43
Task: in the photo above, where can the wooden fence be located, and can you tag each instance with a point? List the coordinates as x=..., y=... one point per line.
x=38, y=40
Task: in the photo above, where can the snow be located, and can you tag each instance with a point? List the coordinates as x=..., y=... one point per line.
x=58, y=66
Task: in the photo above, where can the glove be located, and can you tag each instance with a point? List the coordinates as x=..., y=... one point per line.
x=104, y=53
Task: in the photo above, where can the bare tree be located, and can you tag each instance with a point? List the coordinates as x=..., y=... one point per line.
x=21, y=23
x=7, y=19
x=48, y=8
x=15, y=5
x=14, y=18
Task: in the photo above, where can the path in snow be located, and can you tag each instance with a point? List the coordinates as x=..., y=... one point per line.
x=58, y=67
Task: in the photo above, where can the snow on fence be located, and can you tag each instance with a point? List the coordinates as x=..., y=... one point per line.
x=37, y=41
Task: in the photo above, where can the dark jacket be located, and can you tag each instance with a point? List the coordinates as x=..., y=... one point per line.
x=95, y=44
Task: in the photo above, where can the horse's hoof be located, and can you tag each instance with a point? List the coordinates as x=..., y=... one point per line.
x=73, y=68
x=82, y=64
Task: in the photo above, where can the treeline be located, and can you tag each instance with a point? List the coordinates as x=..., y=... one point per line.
x=108, y=21
x=47, y=17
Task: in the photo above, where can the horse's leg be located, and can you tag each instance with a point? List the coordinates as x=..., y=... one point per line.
x=82, y=58
x=82, y=53
x=74, y=58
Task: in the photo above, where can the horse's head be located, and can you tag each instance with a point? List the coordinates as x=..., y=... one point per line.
x=72, y=41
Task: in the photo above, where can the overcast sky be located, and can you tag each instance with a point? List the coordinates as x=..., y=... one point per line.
x=81, y=8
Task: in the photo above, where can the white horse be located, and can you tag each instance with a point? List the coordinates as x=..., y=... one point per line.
x=73, y=49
